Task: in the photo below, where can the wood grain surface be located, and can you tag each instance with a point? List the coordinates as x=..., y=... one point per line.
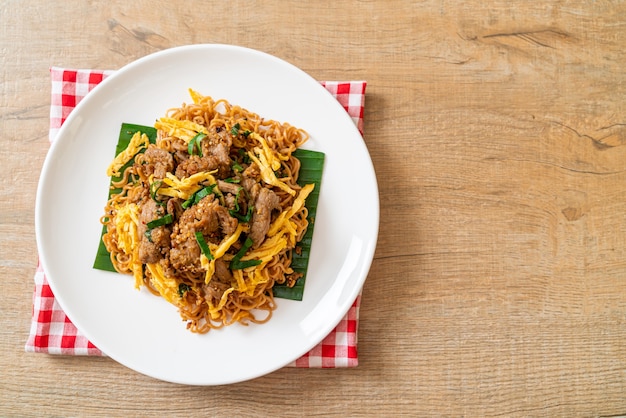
x=497, y=130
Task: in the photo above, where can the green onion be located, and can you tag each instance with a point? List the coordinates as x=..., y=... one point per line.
x=245, y=158
x=243, y=218
x=232, y=180
x=237, y=201
x=240, y=265
x=195, y=143
x=183, y=288
x=202, y=193
x=246, y=133
x=236, y=167
x=235, y=212
x=154, y=188
x=148, y=234
x=188, y=202
x=237, y=264
x=235, y=129
x=165, y=220
x=203, y=245
x=197, y=196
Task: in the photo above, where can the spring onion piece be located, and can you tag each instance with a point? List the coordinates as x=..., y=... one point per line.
x=165, y=220
x=183, y=288
x=148, y=234
x=154, y=188
x=202, y=193
x=237, y=264
x=236, y=166
x=204, y=247
x=188, y=202
x=235, y=212
x=197, y=196
x=243, y=218
x=235, y=129
x=195, y=143
x=240, y=265
x=244, y=156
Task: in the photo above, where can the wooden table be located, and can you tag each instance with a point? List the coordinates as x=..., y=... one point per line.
x=497, y=130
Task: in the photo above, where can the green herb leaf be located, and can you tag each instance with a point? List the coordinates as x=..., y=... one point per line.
x=197, y=196
x=165, y=220
x=240, y=265
x=202, y=193
x=245, y=158
x=237, y=264
x=154, y=188
x=243, y=218
x=204, y=247
x=188, y=202
x=235, y=129
x=196, y=144
x=183, y=288
x=236, y=167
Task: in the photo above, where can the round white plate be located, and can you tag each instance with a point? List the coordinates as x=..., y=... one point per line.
x=144, y=332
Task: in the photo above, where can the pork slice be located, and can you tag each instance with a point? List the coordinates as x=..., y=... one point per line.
x=226, y=187
x=214, y=290
x=155, y=245
x=264, y=204
x=228, y=224
x=250, y=181
x=222, y=272
x=215, y=158
x=157, y=161
x=185, y=252
x=193, y=165
x=220, y=152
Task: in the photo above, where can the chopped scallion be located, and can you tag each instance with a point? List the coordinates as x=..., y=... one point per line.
x=196, y=144
x=235, y=129
x=237, y=264
x=183, y=288
x=154, y=188
x=165, y=220
x=204, y=247
x=189, y=201
x=237, y=167
x=197, y=196
x=245, y=158
x=243, y=218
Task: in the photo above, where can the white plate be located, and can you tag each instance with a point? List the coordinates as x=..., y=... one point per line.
x=144, y=332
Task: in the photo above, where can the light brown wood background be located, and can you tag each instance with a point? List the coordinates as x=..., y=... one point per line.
x=497, y=130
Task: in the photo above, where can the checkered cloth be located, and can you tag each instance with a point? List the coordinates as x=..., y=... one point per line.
x=53, y=333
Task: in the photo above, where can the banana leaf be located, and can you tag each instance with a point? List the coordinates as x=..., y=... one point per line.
x=103, y=257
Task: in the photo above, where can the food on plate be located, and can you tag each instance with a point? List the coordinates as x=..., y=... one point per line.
x=210, y=214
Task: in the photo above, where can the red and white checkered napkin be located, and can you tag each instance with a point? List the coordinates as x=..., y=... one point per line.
x=51, y=330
